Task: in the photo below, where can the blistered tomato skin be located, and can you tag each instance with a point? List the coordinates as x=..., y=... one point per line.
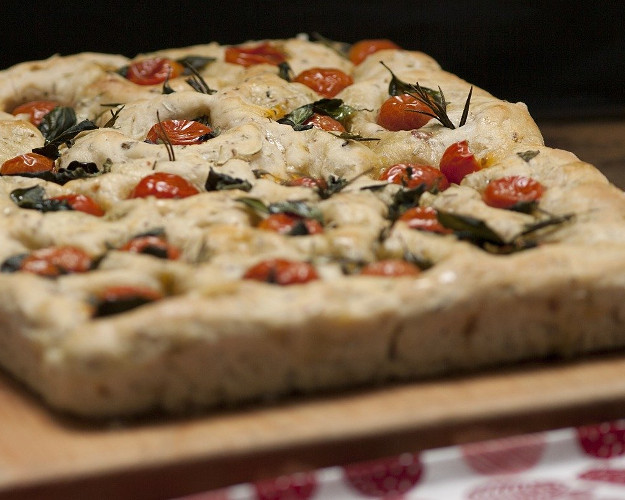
x=424, y=219
x=179, y=132
x=153, y=245
x=325, y=81
x=264, y=53
x=29, y=163
x=458, y=161
x=325, y=122
x=163, y=185
x=506, y=192
x=284, y=223
x=413, y=175
x=359, y=51
x=81, y=203
x=54, y=261
x=36, y=110
x=282, y=272
x=390, y=267
x=153, y=71
x=403, y=112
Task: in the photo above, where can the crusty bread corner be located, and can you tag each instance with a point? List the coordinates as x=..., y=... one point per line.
x=217, y=340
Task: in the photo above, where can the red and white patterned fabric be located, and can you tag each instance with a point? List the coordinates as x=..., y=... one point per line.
x=585, y=463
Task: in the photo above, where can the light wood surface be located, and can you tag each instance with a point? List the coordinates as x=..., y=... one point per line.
x=47, y=456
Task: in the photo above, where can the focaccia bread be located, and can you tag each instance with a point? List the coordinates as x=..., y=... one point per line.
x=250, y=252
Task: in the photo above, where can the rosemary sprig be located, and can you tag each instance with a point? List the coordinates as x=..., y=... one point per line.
x=165, y=138
x=197, y=82
x=435, y=100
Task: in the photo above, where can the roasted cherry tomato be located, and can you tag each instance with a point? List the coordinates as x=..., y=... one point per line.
x=153, y=71
x=264, y=53
x=29, y=163
x=309, y=182
x=512, y=190
x=282, y=272
x=325, y=81
x=118, y=299
x=413, y=175
x=390, y=267
x=163, y=185
x=325, y=122
x=152, y=245
x=36, y=110
x=82, y=203
x=423, y=218
x=403, y=112
x=179, y=132
x=285, y=223
x=54, y=261
x=458, y=162
x=359, y=51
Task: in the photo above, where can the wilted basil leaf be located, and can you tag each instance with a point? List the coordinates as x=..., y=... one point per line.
x=13, y=263
x=198, y=63
x=59, y=126
x=469, y=228
x=299, y=208
x=34, y=198
x=254, y=203
x=219, y=182
x=528, y=155
x=285, y=72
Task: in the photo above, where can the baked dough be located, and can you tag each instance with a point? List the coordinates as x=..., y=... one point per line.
x=216, y=339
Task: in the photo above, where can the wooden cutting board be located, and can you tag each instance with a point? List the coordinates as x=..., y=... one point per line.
x=48, y=456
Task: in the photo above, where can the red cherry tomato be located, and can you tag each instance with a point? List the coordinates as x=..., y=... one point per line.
x=36, y=110
x=325, y=122
x=390, y=267
x=163, y=185
x=423, y=218
x=282, y=272
x=458, y=161
x=153, y=71
x=82, y=203
x=359, y=51
x=412, y=175
x=179, y=132
x=151, y=244
x=29, y=163
x=284, y=223
x=507, y=192
x=403, y=112
x=264, y=53
x=325, y=81
x=55, y=261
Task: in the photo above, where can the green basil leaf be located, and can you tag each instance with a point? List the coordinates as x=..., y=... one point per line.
x=34, y=198
x=198, y=63
x=469, y=228
x=299, y=208
x=254, y=203
x=13, y=263
x=526, y=156
x=219, y=182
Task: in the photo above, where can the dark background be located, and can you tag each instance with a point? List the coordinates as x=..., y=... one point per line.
x=563, y=58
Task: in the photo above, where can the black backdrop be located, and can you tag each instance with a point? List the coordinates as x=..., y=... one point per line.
x=564, y=58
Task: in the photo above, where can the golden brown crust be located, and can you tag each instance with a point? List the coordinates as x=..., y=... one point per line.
x=217, y=339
